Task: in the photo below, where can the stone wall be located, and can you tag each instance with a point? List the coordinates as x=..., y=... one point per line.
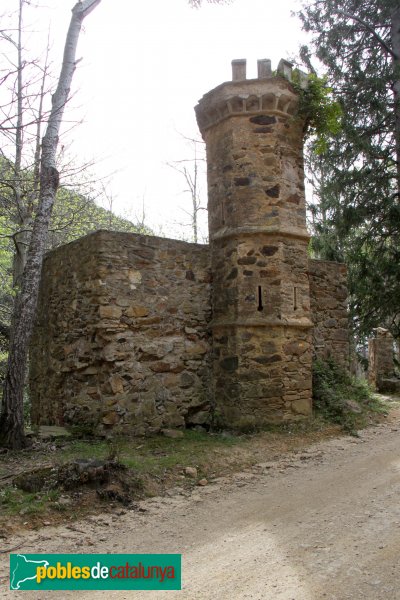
x=381, y=372
x=122, y=334
x=328, y=290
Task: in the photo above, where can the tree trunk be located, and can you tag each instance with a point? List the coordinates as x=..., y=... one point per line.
x=395, y=34
x=21, y=238
x=21, y=242
x=12, y=416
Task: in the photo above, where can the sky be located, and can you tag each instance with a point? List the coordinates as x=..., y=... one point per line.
x=144, y=67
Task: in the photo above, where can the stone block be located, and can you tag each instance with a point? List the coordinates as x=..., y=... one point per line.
x=123, y=301
x=110, y=312
x=134, y=277
x=117, y=384
x=137, y=311
x=196, y=348
x=110, y=418
x=301, y=407
x=295, y=347
x=186, y=379
x=172, y=433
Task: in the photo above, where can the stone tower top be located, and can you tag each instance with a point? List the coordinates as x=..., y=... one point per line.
x=263, y=69
x=254, y=138
x=243, y=95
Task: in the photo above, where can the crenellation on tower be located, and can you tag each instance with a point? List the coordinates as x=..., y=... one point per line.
x=239, y=69
x=285, y=69
x=264, y=68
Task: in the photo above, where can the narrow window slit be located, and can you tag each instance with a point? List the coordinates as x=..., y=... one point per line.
x=295, y=298
x=260, y=302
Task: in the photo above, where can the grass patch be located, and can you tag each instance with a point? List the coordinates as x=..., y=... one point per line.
x=342, y=399
x=157, y=461
x=152, y=455
x=81, y=448
x=16, y=502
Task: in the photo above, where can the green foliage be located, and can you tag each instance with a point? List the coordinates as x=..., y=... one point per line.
x=340, y=398
x=74, y=216
x=355, y=211
x=16, y=502
x=154, y=454
x=322, y=112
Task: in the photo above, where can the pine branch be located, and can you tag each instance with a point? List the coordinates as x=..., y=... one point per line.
x=371, y=30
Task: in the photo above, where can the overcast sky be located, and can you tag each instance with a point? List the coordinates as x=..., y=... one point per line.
x=145, y=65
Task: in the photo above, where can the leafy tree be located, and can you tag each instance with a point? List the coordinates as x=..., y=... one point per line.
x=24, y=90
x=357, y=216
x=73, y=216
x=12, y=418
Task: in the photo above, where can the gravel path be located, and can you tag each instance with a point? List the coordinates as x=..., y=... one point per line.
x=322, y=523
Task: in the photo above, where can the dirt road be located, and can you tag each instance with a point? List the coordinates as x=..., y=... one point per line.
x=323, y=523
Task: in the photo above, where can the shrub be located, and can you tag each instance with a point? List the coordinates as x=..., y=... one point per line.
x=340, y=398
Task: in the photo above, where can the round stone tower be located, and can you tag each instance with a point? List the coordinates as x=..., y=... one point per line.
x=258, y=241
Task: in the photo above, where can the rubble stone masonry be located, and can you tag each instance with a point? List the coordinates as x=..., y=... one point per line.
x=121, y=336
x=328, y=289
x=139, y=333
x=258, y=240
x=381, y=371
